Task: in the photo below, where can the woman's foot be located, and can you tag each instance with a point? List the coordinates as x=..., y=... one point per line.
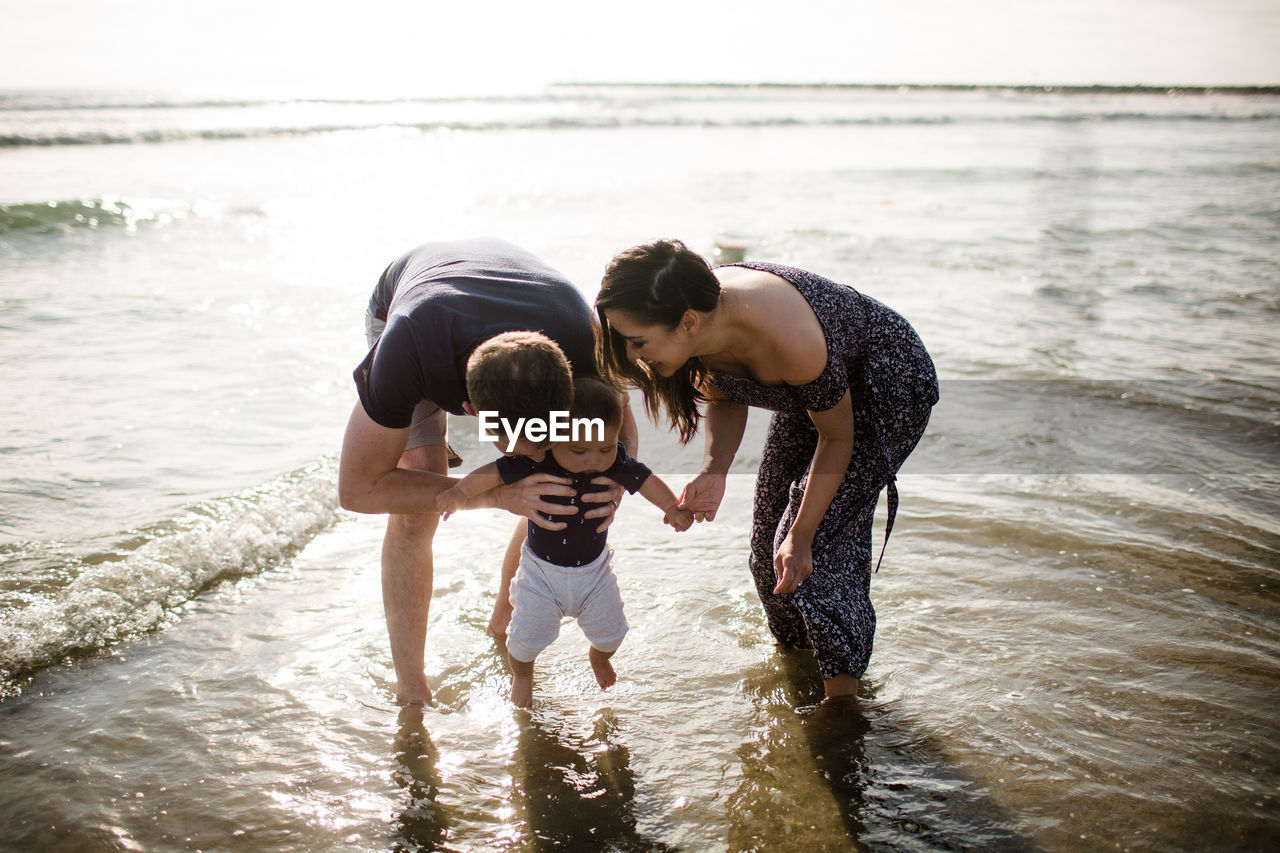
x=841, y=685
x=600, y=665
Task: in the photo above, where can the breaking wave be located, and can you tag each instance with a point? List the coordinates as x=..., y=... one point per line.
x=140, y=587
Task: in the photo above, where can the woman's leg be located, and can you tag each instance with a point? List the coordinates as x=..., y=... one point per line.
x=835, y=601
x=788, y=449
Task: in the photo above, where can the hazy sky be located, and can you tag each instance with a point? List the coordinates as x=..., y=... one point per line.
x=421, y=45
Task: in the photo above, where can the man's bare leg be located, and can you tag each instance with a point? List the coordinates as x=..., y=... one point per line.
x=501, y=617
x=407, y=577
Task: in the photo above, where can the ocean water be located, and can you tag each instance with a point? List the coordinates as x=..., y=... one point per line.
x=1079, y=623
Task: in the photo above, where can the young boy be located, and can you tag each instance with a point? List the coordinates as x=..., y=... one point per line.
x=569, y=572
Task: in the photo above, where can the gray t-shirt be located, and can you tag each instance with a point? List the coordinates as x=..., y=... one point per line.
x=442, y=300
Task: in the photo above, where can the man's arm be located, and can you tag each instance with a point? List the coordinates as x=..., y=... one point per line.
x=369, y=480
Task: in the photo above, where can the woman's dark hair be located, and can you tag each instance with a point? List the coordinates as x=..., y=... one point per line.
x=656, y=283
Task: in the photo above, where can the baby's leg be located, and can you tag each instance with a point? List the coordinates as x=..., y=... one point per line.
x=600, y=665
x=535, y=623
x=521, y=682
x=602, y=620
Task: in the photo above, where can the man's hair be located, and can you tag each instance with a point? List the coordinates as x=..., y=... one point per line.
x=594, y=399
x=519, y=375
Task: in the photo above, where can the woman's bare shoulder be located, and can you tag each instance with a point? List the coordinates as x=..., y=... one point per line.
x=789, y=344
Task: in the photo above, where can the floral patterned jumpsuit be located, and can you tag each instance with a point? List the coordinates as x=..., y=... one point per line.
x=873, y=353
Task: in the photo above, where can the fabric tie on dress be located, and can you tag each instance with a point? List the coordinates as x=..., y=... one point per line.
x=893, y=511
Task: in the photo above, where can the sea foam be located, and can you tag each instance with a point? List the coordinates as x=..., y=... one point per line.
x=141, y=590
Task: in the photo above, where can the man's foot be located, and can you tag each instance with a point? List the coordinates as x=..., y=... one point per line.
x=419, y=694
x=404, y=700
x=522, y=691
x=600, y=665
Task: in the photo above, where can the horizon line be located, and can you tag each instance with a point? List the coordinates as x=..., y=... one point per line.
x=1065, y=88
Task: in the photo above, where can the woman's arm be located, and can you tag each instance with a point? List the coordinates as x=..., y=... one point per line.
x=794, y=560
x=724, y=425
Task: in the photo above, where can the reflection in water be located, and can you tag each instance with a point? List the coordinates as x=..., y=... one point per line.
x=423, y=822
x=803, y=774
x=835, y=736
x=846, y=774
x=575, y=793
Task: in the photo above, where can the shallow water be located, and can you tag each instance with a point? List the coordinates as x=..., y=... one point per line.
x=1032, y=690
x=1078, y=627
x=278, y=735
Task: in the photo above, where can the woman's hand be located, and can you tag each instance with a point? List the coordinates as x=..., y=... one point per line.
x=525, y=497
x=702, y=496
x=793, y=563
x=608, y=500
x=680, y=519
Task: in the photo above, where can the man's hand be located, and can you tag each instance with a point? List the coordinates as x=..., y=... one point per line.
x=525, y=497
x=608, y=500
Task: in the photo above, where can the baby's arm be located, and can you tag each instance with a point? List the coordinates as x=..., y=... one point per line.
x=658, y=493
x=479, y=481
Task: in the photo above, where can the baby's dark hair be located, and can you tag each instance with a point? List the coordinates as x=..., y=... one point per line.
x=593, y=398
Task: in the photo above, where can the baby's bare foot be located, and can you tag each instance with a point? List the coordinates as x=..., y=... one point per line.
x=600, y=665
x=522, y=691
